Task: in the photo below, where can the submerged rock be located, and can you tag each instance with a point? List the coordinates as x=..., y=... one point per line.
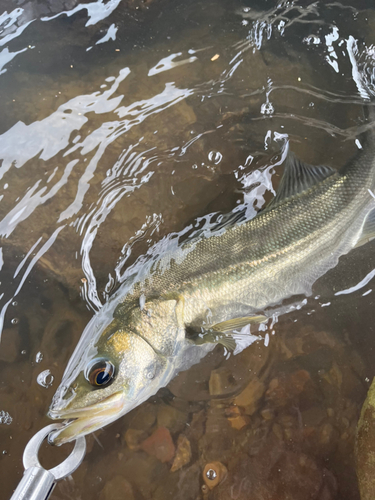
x=183, y=453
x=250, y=397
x=182, y=485
x=160, y=445
x=133, y=438
x=117, y=488
x=143, y=418
x=171, y=418
x=239, y=421
x=283, y=389
x=365, y=447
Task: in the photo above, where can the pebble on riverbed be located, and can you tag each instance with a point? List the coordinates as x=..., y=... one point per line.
x=183, y=453
x=133, y=438
x=365, y=447
x=250, y=397
x=285, y=388
x=160, y=445
x=171, y=418
x=117, y=488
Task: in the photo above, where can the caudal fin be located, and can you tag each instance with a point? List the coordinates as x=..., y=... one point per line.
x=363, y=73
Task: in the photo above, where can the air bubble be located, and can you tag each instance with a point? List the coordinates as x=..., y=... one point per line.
x=211, y=474
x=14, y=321
x=215, y=157
x=249, y=160
x=45, y=379
x=312, y=40
x=267, y=109
x=5, y=418
x=14, y=303
x=246, y=9
x=38, y=357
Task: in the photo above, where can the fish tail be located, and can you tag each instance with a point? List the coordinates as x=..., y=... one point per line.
x=363, y=74
x=362, y=165
x=367, y=138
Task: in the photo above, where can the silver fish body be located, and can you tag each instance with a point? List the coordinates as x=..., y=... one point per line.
x=147, y=336
x=279, y=253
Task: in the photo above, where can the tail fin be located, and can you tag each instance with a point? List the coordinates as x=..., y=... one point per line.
x=363, y=73
x=363, y=69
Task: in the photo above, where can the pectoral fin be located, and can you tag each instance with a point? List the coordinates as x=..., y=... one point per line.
x=368, y=230
x=212, y=337
x=220, y=333
x=236, y=323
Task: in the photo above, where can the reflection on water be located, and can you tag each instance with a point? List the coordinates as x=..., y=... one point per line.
x=125, y=122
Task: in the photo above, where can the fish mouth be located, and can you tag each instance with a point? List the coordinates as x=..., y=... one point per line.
x=83, y=421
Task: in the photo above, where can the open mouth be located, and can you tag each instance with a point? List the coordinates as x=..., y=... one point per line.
x=85, y=420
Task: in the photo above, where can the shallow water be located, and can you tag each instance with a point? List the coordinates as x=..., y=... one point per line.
x=122, y=122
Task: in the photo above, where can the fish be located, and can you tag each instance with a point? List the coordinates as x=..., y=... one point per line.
x=194, y=298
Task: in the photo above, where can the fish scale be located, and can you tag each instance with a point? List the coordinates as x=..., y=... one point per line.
x=318, y=225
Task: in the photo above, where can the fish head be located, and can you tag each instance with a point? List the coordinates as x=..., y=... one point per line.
x=109, y=378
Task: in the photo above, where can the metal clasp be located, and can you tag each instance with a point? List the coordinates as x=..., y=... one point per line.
x=37, y=483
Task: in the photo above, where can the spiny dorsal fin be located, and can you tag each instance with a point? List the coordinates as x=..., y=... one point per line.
x=299, y=177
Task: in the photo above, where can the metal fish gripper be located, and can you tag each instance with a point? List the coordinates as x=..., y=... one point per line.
x=38, y=483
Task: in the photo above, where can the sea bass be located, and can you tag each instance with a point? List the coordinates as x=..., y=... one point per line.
x=171, y=317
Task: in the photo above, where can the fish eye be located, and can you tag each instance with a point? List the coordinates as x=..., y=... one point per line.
x=100, y=372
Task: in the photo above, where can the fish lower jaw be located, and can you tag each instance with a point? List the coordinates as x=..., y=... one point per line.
x=83, y=421
x=74, y=428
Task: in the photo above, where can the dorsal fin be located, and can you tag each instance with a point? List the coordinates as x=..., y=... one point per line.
x=299, y=177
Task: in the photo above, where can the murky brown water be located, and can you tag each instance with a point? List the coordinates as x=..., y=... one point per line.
x=124, y=122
